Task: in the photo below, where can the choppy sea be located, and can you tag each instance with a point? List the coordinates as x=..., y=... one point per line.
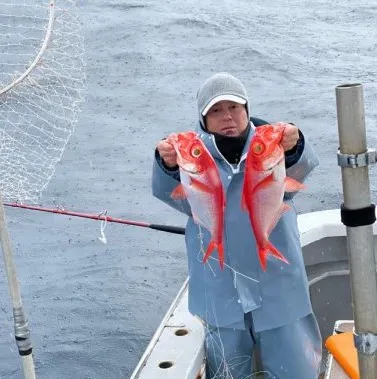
x=92, y=307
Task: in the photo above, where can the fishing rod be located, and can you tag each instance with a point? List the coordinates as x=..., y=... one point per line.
x=21, y=328
x=101, y=217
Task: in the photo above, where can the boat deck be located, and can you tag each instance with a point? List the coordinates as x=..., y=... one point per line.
x=177, y=348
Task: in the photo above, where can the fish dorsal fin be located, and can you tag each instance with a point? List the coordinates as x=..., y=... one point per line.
x=244, y=205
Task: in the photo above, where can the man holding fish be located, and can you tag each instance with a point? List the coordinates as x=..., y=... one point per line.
x=235, y=177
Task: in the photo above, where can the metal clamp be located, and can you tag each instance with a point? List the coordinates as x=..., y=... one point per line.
x=21, y=332
x=366, y=343
x=357, y=160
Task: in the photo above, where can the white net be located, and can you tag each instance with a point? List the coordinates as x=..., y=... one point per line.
x=42, y=81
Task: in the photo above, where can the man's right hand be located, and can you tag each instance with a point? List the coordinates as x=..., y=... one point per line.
x=167, y=153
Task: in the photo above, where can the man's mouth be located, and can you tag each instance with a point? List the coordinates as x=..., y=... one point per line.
x=229, y=130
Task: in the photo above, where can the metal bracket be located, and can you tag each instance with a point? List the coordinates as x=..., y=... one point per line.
x=366, y=343
x=21, y=331
x=357, y=160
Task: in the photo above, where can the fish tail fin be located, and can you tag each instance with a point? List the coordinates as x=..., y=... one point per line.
x=212, y=245
x=270, y=249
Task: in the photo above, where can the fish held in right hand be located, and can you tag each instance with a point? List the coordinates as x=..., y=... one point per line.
x=264, y=185
x=202, y=187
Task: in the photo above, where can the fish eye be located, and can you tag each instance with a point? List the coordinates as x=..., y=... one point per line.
x=258, y=148
x=196, y=152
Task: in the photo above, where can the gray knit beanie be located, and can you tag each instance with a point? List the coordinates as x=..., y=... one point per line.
x=218, y=87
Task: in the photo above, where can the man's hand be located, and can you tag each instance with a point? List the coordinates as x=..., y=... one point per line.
x=290, y=137
x=167, y=152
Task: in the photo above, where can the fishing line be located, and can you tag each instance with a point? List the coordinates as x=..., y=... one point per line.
x=103, y=238
x=105, y=219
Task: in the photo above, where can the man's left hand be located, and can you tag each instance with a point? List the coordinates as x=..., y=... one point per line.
x=290, y=137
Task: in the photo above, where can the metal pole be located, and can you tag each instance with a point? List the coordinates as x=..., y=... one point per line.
x=21, y=329
x=356, y=191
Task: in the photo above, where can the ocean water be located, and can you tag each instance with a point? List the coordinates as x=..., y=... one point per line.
x=92, y=307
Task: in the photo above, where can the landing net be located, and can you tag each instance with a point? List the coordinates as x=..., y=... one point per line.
x=42, y=81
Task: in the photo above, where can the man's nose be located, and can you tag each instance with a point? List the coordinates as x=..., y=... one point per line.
x=227, y=114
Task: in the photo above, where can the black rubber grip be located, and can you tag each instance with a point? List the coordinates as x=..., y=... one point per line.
x=168, y=228
x=358, y=217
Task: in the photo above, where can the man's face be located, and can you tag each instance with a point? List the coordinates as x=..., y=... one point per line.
x=227, y=118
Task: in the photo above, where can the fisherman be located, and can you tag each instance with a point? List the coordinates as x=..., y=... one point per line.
x=245, y=309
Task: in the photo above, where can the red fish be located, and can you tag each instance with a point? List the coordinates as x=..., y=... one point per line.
x=202, y=186
x=265, y=182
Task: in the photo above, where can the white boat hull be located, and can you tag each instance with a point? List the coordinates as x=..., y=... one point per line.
x=323, y=241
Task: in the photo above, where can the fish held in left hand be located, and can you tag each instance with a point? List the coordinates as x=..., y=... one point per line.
x=202, y=187
x=264, y=185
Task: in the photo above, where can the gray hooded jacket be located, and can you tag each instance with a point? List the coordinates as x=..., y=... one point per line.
x=276, y=297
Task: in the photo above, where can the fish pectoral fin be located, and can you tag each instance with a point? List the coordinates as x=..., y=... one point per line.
x=245, y=204
x=200, y=186
x=244, y=197
x=264, y=183
x=292, y=185
x=178, y=193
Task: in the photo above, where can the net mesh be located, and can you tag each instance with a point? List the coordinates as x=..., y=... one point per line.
x=42, y=83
